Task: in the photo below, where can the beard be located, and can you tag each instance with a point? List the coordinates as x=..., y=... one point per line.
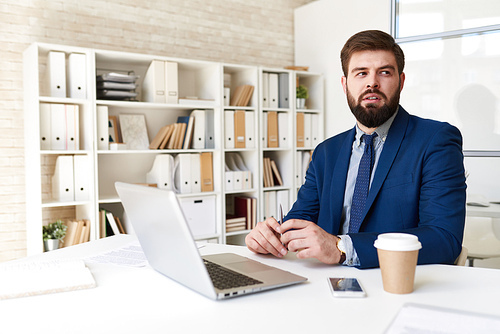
x=372, y=116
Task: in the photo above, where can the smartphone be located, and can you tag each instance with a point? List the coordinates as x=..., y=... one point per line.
x=345, y=287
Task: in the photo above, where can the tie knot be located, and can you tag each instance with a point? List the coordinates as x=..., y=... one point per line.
x=368, y=139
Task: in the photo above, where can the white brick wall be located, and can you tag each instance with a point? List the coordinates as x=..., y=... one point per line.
x=258, y=32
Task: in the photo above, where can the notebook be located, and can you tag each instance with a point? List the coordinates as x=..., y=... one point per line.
x=163, y=232
x=22, y=279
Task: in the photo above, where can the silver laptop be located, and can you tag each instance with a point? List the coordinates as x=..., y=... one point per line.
x=163, y=232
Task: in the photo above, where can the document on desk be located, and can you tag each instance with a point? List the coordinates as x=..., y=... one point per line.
x=417, y=319
x=22, y=279
x=130, y=255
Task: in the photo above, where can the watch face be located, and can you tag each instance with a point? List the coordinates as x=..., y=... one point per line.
x=341, y=245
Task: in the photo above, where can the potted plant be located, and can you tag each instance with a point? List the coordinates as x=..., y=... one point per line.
x=53, y=233
x=302, y=94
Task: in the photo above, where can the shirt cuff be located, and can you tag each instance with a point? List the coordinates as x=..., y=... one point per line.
x=351, y=257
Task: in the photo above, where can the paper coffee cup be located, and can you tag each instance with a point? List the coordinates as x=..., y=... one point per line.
x=398, y=255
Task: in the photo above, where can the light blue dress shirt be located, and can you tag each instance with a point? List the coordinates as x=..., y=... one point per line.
x=358, y=148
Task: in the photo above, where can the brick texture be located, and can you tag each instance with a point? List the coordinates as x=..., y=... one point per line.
x=258, y=32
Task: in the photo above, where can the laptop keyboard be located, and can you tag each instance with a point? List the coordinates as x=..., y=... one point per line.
x=224, y=278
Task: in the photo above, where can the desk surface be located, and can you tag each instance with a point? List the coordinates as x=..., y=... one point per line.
x=140, y=300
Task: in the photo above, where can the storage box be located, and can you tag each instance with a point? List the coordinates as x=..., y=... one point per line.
x=200, y=214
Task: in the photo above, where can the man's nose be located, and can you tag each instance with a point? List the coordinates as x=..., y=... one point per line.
x=372, y=82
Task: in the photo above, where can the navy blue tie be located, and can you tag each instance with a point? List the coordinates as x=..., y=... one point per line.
x=362, y=185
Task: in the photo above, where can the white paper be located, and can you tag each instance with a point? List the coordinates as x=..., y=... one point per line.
x=130, y=255
x=418, y=319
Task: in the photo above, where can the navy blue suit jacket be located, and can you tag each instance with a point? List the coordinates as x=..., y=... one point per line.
x=418, y=188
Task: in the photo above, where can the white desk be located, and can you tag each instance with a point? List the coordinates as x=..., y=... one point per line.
x=140, y=300
x=492, y=211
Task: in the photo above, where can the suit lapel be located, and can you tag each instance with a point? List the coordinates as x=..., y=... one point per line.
x=339, y=178
x=389, y=152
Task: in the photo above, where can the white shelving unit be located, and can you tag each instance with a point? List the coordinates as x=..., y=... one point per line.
x=203, y=79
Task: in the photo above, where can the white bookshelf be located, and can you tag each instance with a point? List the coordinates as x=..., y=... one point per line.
x=203, y=79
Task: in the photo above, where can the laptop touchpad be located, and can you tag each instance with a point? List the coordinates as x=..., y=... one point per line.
x=248, y=266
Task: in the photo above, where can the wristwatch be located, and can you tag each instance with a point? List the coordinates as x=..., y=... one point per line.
x=341, y=248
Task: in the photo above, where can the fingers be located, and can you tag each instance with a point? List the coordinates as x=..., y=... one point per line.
x=265, y=239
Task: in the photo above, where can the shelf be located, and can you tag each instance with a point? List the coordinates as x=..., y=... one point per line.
x=203, y=79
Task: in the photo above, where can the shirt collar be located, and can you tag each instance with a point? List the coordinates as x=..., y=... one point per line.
x=381, y=131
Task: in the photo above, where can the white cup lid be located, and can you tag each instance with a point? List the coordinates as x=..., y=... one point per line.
x=398, y=242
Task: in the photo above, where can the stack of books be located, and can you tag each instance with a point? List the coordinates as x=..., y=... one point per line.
x=116, y=86
x=242, y=95
x=78, y=232
x=272, y=176
x=174, y=136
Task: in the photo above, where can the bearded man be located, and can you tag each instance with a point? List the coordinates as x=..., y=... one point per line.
x=392, y=172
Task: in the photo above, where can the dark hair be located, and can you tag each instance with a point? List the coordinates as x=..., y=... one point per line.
x=371, y=40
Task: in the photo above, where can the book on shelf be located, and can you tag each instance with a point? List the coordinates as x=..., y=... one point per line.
x=176, y=136
x=241, y=96
x=235, y=223
x=109, y=224
x=78, y=232
x=272, y=175
x=246, y=206
x=276, y=173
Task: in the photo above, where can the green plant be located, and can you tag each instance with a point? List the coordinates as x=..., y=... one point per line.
x=302, y=92
x=55, y=230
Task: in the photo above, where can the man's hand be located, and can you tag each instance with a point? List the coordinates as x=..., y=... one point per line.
x=310, y=241
x=265, y=238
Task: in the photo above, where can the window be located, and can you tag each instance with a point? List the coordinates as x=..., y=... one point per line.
x=452, y=50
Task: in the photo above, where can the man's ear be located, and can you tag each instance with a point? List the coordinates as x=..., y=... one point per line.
x=401, y=81
x=343, y=81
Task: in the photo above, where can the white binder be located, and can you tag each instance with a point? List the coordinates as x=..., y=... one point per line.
x=229, y=129
x=238, y=175
x=250, y=129
x=263, y=133
x=195, y=173
x=314, y=130
x=228, y=175
x=282, y=199
x=273, y=90
x=247, y=174
x=45, y=133
x=227, y=95
x=102, y=128
x=58, y=126
x=81, y=177
x=62, y=180
x=153, y=86
x=77, y=80
x=56, y=67
x=182, y=176
x=162, y=172
x=199, y=129
x=209, y=129
x=265, y=90
x=171, y=82
x=270, y=205
x=283, y=97
x=306, y=156
x=283, y=130
x=72, y=127
x=307, y=130
x=298, y=168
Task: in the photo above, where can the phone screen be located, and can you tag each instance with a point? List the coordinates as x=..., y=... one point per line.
x=346, y=287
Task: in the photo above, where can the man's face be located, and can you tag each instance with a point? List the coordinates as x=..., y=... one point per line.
x=373, y=87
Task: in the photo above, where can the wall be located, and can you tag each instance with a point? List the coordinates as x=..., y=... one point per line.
x=321, y=30
x=258, y=32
